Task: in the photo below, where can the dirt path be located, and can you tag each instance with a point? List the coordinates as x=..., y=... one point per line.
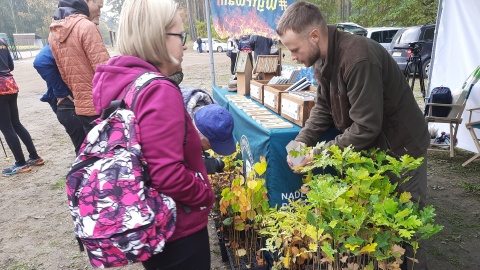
x=36, y=229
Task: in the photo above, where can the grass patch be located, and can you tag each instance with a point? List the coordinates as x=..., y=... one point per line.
x=471, y=187
x=27, y=48
x=77, y=256
x=22, y=266
x=59, y=184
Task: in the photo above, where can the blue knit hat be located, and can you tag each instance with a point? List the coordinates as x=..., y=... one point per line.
x=216, y=124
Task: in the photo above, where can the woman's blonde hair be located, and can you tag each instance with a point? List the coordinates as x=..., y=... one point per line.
x=142, y=30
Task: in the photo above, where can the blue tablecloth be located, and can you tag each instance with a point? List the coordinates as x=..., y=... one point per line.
x=257, y=141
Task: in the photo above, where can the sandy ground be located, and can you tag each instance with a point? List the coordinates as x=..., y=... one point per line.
x=36, y=230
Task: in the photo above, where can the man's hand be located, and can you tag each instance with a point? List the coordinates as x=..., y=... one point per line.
x=59, y=100
x=306, y=161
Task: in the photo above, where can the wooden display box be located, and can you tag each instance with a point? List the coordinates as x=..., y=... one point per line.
x=295, y=109
x=267, y=66
x=243, y=69
x=272, y=95
x=256, y=89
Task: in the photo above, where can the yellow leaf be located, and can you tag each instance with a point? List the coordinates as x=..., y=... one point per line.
x=252, y=184
x=242, y=181
x=333, y=223
x=351, y=247
x=286, y=260
x=312, y=247
x=260, y=168
x=405, y=197
x=369, y=248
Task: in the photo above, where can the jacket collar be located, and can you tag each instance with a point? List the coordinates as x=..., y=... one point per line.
x=326, y=65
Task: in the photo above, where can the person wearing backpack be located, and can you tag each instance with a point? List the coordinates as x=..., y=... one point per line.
x=176, y=169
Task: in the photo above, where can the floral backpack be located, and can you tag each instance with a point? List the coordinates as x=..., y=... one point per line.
x=119, y=219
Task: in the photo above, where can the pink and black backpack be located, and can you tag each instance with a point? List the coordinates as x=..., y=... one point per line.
x=119, y=219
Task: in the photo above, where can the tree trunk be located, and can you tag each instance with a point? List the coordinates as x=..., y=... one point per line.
x=191, y=20
x=13, y=17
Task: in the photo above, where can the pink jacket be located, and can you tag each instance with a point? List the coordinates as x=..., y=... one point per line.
x=176, y=170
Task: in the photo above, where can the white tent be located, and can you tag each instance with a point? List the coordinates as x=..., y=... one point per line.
x=456, y=54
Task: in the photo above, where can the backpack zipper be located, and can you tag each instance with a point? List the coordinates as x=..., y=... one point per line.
x=81, y=245
x=82, y=164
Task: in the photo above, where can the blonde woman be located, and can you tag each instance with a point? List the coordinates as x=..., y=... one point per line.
x=151, y=38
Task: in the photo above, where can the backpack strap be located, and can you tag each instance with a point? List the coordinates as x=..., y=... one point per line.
x=144, y=80
x=134, y=89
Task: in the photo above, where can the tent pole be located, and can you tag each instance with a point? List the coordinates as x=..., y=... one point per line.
x=437, y=28
x=210, y=45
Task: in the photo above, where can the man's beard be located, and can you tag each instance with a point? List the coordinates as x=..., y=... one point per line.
x=313, y=55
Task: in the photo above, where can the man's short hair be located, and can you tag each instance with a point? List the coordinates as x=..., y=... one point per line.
x=142, y=30
x=300, y=17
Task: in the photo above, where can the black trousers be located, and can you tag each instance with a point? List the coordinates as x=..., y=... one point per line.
x=188, y=253
x=233, y=60
x=86, y=122
x=68, y=118
x=12, y=129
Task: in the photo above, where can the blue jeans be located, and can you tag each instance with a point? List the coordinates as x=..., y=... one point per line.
x=12, y=129
x=68, y=118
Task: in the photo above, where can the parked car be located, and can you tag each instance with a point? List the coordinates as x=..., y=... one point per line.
x=217, y=45
x=352, y=28
x=400, y=47
x=382, y=35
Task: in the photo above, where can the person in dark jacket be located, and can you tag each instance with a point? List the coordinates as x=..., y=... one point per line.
x=245, y=46
x=362, y=93
x=199, y=45
x=260, y=45
x=59, y=96
x=10, y=124
x=232, y=47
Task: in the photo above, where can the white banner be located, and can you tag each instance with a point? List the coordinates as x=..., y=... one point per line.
x=456, y=55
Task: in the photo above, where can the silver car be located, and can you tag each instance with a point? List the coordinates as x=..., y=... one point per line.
x=382, y=35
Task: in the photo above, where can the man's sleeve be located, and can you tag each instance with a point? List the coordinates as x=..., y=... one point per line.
x=48, y=70
x=318, y=122
x=94, y=47
x=365, y=95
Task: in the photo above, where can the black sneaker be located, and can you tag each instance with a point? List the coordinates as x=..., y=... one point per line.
x=16, y=169
x=35, y=161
